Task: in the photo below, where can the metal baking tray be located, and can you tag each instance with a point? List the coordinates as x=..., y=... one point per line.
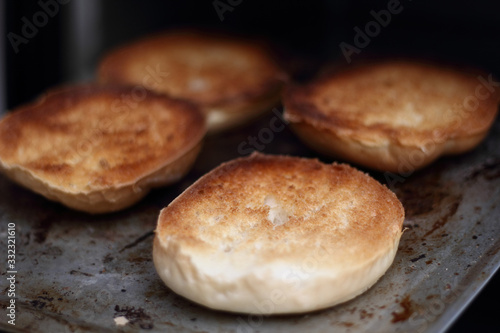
x=78, y=273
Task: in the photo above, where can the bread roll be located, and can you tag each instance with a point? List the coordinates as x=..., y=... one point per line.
x=99, y=148
x=231, y=79
x=276, y=235
x=395, y=116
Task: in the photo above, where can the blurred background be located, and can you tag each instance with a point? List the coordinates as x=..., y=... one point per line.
x=56, y=41
x=52, y=42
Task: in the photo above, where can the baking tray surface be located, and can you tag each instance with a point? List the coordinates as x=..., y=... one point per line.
x=79, y=273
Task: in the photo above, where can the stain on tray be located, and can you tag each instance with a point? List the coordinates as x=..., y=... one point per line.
x=138, y=240
x=44, y=301
x=365, y=314
x=52, y=252
x=493, y=251
x=135, y=316
x=406, y=313
x=490, y=170
x=46, y=298
x=138, y=259
x=75, y=272
x=406, y=249
x=107, y=258
x=422, y=256
x=452, y=209
x=420, y=202
x=41, y=229
x=37, y=304
x=421, y=194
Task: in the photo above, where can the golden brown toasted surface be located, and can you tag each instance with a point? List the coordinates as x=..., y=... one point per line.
x=401, y=102
x=87, y=138
x=208, y=69
x=264, y=209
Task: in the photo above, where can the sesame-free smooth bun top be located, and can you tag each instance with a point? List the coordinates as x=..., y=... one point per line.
x=209, y=69
x=82, y=144
x=253, y=226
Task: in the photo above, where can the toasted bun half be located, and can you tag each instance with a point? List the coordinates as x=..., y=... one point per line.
x=393, y=116
x=276, y=235
x=99, y=149
x=232, y=80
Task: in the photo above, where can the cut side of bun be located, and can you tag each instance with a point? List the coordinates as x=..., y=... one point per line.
x=231, y=79
x=277, y=235
x=93, y=150
x=395, y=116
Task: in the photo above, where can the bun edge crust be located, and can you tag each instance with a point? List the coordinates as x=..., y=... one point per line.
x=390, y=157
x=109, y=199
x=264, y=284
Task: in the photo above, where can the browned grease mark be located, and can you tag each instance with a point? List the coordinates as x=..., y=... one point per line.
x=442, y=221
x=493, y=251
x=138, y=240
x=45, y=301
x=423, y=192
x=75, y=272
x=421, y=201
x=418, y=258
x=365, y=314
x=489, y=170
x=406, y=313
x=42, y=228
x=135, y=316
x=38, y=304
